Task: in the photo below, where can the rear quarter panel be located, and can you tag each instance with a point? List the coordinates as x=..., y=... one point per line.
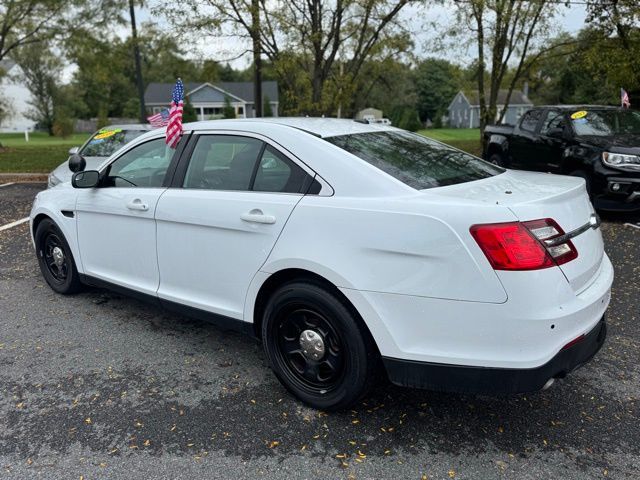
x=397, y=246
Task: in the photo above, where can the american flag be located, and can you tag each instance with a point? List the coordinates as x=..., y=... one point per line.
x=624, y=98
x=174, y=127
x=160, y=119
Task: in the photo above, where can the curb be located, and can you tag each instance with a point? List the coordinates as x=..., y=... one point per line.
x=22, y=177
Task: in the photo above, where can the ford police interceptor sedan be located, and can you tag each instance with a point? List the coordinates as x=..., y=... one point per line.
x=349, y=249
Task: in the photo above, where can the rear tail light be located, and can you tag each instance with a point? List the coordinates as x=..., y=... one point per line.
x=523, y=245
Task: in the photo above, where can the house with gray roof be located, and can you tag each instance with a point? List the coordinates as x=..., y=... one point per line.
x=464, y=109
x=209, y=99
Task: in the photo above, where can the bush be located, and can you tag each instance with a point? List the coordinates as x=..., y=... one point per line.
x=63, y=127
x=267, y=111
x=188, y=112
x=406, y=118
x=228, y=111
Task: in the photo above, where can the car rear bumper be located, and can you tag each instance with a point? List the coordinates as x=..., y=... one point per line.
x=472, y=379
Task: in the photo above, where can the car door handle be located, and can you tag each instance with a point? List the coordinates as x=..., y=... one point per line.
x=137, y=204
x=256, y=216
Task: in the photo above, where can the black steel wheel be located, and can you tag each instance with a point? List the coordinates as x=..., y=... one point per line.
x=317, y=346
x=55, y=259
x=310, y=347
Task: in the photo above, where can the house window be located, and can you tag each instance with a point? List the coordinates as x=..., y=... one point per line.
x=211, y=111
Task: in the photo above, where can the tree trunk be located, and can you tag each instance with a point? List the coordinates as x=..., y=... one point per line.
x=257, y=60
x=136, y=55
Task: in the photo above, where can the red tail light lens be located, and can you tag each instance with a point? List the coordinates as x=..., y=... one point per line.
x=520, y=245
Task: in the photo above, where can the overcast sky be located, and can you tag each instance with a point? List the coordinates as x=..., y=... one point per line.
x=425, y=24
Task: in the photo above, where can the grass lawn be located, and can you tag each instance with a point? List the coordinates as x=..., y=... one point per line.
x=467, y=139
x=43, y=153
x=40, y=155
x=41, y=139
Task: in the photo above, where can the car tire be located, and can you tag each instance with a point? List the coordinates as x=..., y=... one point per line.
x=55, y=259
x=496, y=159
x=587, y=179
x=317, y=346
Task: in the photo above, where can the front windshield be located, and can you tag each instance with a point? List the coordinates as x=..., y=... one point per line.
x=108, y=140
x=415, y=160
x=606, y=122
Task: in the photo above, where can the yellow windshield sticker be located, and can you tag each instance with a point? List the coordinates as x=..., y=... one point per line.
x=106, y=133
x=578, y=115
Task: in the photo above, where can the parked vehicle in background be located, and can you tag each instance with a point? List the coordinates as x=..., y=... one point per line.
x=350, y=249
x=100, y=146
x=598, y=143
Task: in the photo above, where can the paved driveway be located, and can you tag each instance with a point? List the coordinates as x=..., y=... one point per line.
x=102, y=386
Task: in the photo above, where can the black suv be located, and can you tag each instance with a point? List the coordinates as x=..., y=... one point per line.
x=600, y=144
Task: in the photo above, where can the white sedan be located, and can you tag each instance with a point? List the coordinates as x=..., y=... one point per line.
x=349, y=249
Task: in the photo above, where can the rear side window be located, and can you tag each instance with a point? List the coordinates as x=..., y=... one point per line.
x=222, y=162
x=276, y=173
x=530, y=120
x=415, y=160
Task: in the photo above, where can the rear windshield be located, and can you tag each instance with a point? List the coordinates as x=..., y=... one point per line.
x=415, y=160
x=606, y=122
x=107, y=140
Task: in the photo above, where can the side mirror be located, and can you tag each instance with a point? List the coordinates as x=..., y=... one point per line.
x=556, y=133
x=74, y=150
x=77, y=163
x=88, y=179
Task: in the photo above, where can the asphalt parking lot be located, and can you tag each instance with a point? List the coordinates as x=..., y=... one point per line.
x=98, y=385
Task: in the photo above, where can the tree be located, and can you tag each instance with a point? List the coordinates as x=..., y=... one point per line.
x=304, y=40
x=136, y=57
x=384, y=84
x=505, y=31
x=228, y=111
x=437, y=82
x=25, y=22
x=41, y=71
x=188, y=112
x=105, y=74
x=267, y=111
x=617, y=21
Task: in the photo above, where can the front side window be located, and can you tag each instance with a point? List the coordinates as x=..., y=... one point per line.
x=145, y=165
x=530, y=120
x=552, y=121
x=222, y=162
x=415, y=160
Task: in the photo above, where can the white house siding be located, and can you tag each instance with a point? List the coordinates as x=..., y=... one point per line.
x=18, y=97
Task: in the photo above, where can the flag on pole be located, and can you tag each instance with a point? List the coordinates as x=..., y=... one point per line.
x=174, y=127
x=624, y=98
x=160, y=119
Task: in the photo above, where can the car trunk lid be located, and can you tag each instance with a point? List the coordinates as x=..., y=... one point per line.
x=533, y=196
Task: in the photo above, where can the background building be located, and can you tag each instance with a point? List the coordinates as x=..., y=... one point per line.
x=16, y=96
x=464, y=109
x=209, y=99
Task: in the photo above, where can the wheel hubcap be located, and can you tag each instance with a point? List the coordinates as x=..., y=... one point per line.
x=310, y=348
x=58, y=256
x=54, y=258
x=312, y=345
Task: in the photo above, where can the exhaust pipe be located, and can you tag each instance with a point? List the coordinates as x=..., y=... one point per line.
x=550, y=382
